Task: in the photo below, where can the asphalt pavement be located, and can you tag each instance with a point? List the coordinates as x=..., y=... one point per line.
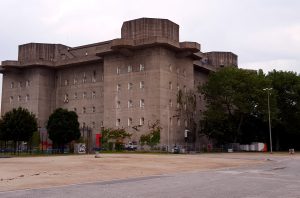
x=278, y=177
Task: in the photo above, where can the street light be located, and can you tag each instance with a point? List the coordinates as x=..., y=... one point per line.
x=270, y=130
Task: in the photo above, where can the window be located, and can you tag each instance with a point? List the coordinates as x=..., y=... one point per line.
x=11, y=99
x=27, y=83
x=75, y=95
x=178, y=121
x=142, y=84
x=86, y=53
x=93, y=94
x=83, y=110
x=83, y=124
x=171, y=121
x=101, y=123
x=118, y=104
x=118, y=70
x=170, y=85
x=142, y=103
x=129, y=121
x=12, y=85
x=75, y=110
x=118, y=122
x=93, y=125
x=84, y=78
x=178, y=87
x=66, y=82
x=129, y=69
x=170, y=103
x=84, y=95
x=142, y=121
x=75, y=81
x=130, y=103
x=93, y=109
x=19, y=98
x=66, y=99
x=94, y=76
x=118, y=87
x=142, y=68
x=20, y=84
x=129, y=86
x=27, y=97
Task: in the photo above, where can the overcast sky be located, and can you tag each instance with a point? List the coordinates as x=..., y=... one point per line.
x=263, y=33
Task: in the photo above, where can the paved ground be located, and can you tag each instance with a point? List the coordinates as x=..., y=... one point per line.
x=37, y=172
x=278, y=177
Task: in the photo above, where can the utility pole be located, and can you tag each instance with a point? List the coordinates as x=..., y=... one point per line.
x=270, y=128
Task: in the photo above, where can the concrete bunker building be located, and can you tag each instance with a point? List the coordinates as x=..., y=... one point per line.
x=126, y=82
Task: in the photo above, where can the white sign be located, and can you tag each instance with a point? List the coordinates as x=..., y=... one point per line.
x=80, y=148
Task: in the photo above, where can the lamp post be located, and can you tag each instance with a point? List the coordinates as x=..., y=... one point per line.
x=270, y=130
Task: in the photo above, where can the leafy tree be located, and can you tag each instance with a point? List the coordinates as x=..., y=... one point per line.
x=114, y=136
x=17, y=125
x=233, y=96
x=63, y=127
x=286, y=132
x=153, y=137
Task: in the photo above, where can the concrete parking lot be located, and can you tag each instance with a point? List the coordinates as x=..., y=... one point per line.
x=126, y=175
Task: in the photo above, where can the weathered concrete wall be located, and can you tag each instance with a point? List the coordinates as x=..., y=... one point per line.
x=222, y=59
x=144, y=28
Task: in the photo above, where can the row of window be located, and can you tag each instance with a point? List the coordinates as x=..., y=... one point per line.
x=130, y=104
x=142, y=86
x=84, y=79
x=177, y=106
x=177, y=70
x=11, y=98
x=20, y=84
x=84, y=110
x=178, y=87
x=178, y=122
x=130, y=86
x=84, y=96
x=130, y=69
x=142, y=122
x=93, y=124
x=130, y=122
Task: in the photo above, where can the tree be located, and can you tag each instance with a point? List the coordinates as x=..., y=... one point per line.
x=17, y=125
x=113, y=136
x=153, y=137
x=286, y=132
x=233, y=96
x=63, y=127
